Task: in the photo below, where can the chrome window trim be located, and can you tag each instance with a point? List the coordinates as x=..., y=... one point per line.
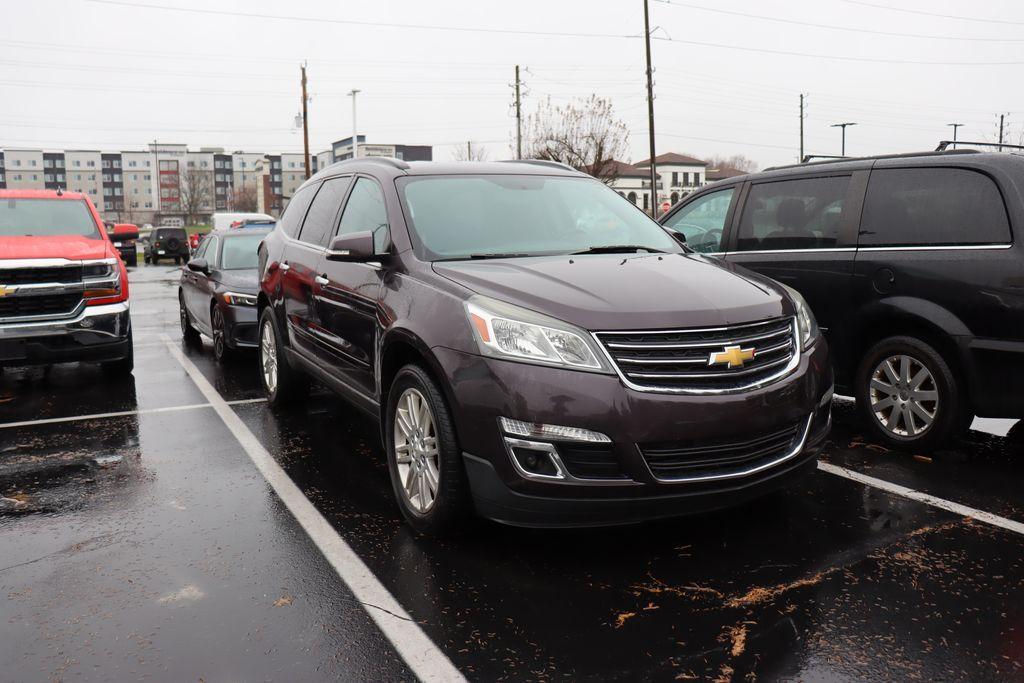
x=941, y=247
x=828, y=250
x=797, y=450
x=790, y=367
x=562, y=475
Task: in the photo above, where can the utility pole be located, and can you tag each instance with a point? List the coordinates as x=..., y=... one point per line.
x=801, y=160
x=305, y=120
x=519, y=117
x=355, y=136
x=1001, y=120
x=469, y=151
x=650, y=113
x=843, y=126
x=955, y=126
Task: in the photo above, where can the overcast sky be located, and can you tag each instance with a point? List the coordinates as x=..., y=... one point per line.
x=91, y=74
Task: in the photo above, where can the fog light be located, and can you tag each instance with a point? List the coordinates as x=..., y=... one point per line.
x=536, y=430
x=535, y=460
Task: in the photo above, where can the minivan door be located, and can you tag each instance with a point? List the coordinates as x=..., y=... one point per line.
x=802, y=232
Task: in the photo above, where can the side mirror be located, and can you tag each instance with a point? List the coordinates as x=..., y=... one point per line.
x=356, y=246
x=126, y=231
x=677, y=236
x=199, y=265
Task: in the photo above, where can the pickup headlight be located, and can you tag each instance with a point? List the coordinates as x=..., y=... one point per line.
x=237, y=299
x=806, y=325
x=506, y=331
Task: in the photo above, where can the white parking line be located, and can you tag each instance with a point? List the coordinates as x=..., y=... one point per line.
x=422, y=656
x=123, y=413
x=941, y=503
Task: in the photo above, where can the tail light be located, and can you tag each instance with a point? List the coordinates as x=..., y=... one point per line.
x=110, y=287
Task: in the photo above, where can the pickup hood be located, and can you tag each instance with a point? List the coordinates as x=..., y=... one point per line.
x=622, y=292
x=71, y=247
x=241, y=281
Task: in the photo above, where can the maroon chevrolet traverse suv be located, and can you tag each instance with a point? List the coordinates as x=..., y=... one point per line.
x=535, y=347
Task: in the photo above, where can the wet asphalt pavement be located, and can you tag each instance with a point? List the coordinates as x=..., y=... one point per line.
x=148, y=546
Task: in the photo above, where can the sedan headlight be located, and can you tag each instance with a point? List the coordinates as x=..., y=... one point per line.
x=506, y=331
x=807, y=326
x=238, y=299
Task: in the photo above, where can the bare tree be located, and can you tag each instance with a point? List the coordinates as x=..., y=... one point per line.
x=584, y=134
x=470, y=153
x=244, y=198
x=195, y=192
x=736, y=161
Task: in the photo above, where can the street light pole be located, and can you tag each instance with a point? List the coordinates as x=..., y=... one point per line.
x=955, y=126
x=843, y=126
x=355, y=137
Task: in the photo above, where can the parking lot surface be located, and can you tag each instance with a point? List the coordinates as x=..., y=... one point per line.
x=145, y=542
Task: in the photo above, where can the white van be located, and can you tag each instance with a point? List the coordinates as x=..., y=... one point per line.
x=223, y=221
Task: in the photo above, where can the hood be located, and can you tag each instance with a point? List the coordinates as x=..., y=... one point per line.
x=622, y=292
x=242, y=281
x=71, y=247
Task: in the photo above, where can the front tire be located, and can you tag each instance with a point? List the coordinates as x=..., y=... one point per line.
x=281, y=382
x=424, y=458
x=909, y=396
x=221, y=350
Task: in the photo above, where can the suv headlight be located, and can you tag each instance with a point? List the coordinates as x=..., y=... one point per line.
x=806, y=325
x=503, y=330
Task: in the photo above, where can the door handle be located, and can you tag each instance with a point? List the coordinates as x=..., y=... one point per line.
x=283, y=266
x=321, y=280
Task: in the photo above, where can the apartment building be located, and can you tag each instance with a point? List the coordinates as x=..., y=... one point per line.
x=342, y=149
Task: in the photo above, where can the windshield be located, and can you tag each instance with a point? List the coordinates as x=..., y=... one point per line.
x=45, y=217
x=239, y=251
x=457, y=217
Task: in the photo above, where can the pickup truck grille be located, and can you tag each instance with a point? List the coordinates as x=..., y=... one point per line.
x=47, y=304
x=31, y=276
x=711, y=360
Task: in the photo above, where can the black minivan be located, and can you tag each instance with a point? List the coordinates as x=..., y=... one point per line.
x=910, y=265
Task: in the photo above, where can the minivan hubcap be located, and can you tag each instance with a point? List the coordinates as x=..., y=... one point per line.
x=904, y=397
x=416, y=451
x=268, y=357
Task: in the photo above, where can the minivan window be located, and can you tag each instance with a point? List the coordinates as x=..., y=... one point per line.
x=365, y=210
x=803, y=213
x=702, y=221
x=932, y=206
x=45, y=217
x=323, y=211
x=291, y=219
x=455, y=217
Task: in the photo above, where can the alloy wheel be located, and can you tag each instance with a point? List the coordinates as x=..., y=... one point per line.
x=268, y=357
x=416, y=452
x=904, y=396
x=218, y=333
x=184, y=317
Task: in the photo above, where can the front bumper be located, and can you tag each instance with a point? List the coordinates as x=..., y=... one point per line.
x=241, y=323
x=96, y=333
x=484, y=389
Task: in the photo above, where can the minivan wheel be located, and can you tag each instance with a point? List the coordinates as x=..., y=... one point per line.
x=908, y=394
x=281, y=382
x=424, y=458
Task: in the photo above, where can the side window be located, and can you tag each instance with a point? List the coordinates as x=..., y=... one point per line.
x=703, y=220
x=322, y=212
x=365, y=211
x=932, y=206
x=212, y=244
x=291, y=219
x=793, y=214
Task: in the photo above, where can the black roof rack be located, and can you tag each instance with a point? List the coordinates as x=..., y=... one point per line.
x=901, y=155
x=944, y=146
x=541, y=162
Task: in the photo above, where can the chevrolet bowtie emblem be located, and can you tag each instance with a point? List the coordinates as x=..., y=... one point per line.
x=733, y=356
x=4, y=290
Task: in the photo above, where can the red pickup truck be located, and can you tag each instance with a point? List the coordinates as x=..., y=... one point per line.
x=63, y=285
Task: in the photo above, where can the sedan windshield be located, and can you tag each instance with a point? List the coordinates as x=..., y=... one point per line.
x=494, y=216
x=239, y=251
x=46, y=217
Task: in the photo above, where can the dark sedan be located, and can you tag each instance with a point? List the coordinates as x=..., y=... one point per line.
x=217, y=295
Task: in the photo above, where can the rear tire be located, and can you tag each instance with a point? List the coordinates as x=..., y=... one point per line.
x=909, y=396
x=427, y=475
x=281, y=382
x=155, y=259
x=188, y=332
x=177, y=260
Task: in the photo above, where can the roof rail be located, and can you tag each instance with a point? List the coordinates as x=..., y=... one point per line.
x=944, y=146
x=902, y=155
x=389, y=161
x=541, y=162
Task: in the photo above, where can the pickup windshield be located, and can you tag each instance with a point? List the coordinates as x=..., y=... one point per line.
x=462, y=217
x=46, y=217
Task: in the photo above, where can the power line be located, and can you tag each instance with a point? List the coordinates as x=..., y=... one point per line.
x=934, y=14
x=834, y=27
x=354, y=22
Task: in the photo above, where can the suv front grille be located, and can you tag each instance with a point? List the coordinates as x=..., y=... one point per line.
x=31, y=276
x=723, y=459
x=704, y=360
x=48, y=304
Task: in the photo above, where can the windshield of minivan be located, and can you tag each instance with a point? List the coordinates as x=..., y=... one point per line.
x=46, y=217
x=456, y=217
x=239, y=251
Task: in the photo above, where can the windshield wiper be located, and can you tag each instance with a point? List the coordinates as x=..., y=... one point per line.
x=618, y=249
x=497, y=255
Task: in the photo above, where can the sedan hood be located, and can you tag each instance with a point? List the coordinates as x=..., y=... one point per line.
x=241, y=281
x=622, y=292
x=71, y=247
